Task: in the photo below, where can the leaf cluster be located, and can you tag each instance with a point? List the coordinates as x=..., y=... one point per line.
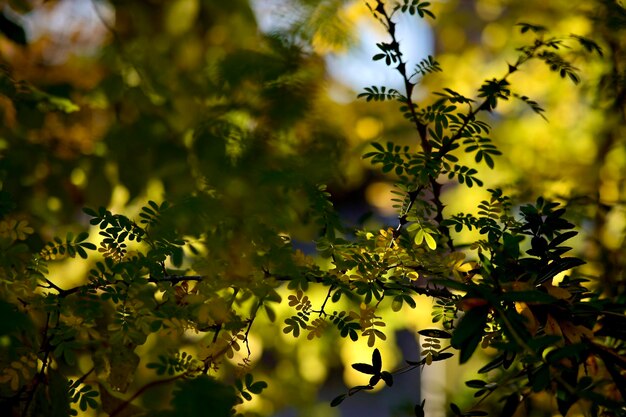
x=198, y=271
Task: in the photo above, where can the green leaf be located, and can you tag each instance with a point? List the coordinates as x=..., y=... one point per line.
x=419, y=237
x=88, y=245
x=475, y=383
x=469, y=332
x=49, y=102
x=540, y=378
x=511, y=404
x=81, y=237
x=192, y=396
x=525, y=27
x=535, y=296
x=59, y=405
x=81, y=252
x=13, y=320
x=493, y=364
x=430, y=241
x=556, y=267
x=396, y=304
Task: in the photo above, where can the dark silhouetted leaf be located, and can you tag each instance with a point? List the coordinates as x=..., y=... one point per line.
x=193, y=396
x=364, y=368
x=469, y=332
x=337, y=400
x=12, y=30
x=510, y=405
x=442, y=356
x=475, y=383
x=387, y=377
x=377, y=363
x=437, y=333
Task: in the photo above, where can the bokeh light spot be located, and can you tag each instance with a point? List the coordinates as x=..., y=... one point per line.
x=494, y=35
x=368, y=128
x=78, y=177
x=54, y=204
x=489, y=9
x=378, y=194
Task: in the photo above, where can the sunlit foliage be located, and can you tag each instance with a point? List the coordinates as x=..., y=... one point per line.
x=176, y=230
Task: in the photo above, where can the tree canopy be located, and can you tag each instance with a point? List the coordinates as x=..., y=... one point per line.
x=194, y=213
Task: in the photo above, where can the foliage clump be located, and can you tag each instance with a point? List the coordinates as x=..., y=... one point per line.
x=177, y=289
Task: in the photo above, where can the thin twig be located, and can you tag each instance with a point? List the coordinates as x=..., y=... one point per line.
x=330, y=290
x=141, y=390
x=45, y=347
x=250, y=321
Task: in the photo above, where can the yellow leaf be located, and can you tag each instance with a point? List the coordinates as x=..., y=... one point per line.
x=557, y=292
x=181, y=16
x=575, y=333
x=529, y=318
x=552, y=326
x=413, y=275
x=521, y=286
x=430, y=241
x=22, y=229
x=466, y=267
x=419, y=237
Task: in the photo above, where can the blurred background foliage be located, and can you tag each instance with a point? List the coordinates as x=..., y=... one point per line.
x=113, y=103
